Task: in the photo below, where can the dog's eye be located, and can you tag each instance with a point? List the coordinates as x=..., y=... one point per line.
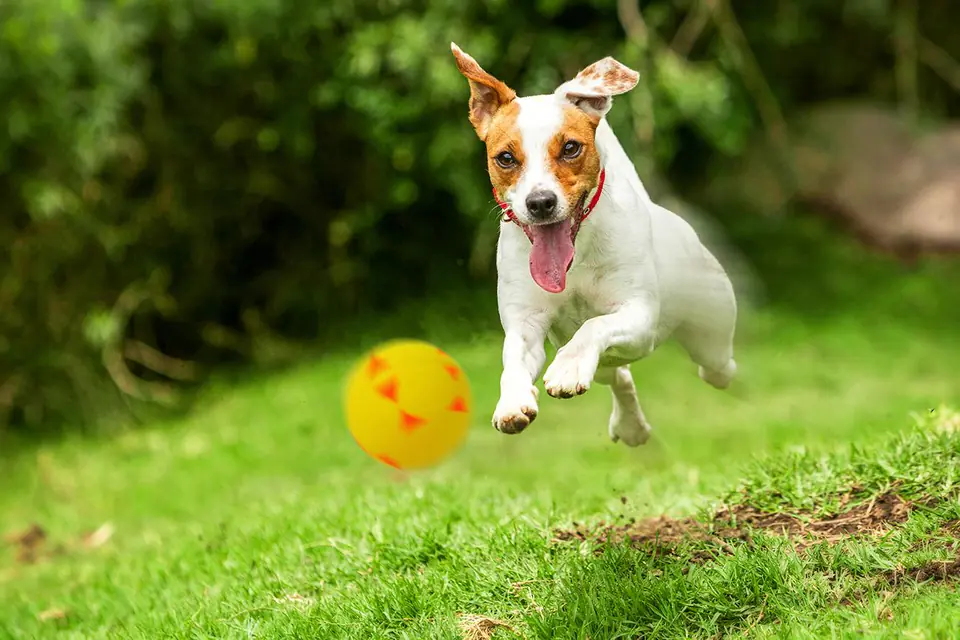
x=572, y=149
x=506, y=160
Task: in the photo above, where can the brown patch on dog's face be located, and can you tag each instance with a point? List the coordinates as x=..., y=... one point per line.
x=574, y=159
x=504, y=140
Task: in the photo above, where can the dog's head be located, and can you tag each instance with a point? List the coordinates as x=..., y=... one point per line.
x=541, y=153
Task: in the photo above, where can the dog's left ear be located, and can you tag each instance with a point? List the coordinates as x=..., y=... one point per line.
x=593, y=89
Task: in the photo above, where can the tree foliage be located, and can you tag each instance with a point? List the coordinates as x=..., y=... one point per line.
x=184, y=181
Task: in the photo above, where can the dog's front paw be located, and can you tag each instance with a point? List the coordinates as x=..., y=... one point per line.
x=515, y=411
x=570, y=373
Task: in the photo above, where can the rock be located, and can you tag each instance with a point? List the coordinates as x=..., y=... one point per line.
x=896, y=187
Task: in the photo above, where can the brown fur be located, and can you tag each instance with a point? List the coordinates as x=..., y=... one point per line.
x=503, y=135
x=494, y=112
x=575, y=176
x=487, y=94
x=609, y=76
x=579, y=175
x=597, y=83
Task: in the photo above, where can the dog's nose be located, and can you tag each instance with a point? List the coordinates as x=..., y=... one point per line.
x=541, y=204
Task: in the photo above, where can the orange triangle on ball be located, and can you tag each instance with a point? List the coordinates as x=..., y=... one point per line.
x=375, y=366
x=452, y=370
x=388, y=460
x=410, y=422
x=389, y=389
x=459, y=405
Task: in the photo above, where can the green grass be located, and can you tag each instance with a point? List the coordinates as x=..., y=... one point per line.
x=258, y=517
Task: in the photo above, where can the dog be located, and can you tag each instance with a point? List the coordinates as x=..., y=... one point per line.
x=585, y=258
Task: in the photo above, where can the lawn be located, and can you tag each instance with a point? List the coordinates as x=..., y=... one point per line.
x=256, y=516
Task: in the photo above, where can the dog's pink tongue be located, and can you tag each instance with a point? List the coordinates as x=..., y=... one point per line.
x=551, y=255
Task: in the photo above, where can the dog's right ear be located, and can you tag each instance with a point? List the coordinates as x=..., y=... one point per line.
x=487, y=94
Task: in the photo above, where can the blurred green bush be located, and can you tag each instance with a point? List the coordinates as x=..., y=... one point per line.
x=185, y=182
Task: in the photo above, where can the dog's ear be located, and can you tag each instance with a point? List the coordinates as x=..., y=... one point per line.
x=593, y=89
x=487, y=94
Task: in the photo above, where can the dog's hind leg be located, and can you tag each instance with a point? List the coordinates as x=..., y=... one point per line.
x=711, y=347
x=627, y=422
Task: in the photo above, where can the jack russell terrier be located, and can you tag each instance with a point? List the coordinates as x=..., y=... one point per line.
x=585, y=258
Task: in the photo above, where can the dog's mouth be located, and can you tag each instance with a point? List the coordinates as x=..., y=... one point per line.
x=552, y=254
x=553, y=248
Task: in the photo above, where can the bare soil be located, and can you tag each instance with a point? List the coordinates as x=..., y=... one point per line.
x=737, y=523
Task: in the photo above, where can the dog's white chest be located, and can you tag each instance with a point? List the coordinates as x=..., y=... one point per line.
x=587, y=296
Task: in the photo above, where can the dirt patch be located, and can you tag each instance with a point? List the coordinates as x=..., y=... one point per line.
x=869, y=518
x=28, y=544
x=52, y=614
x=661, y=534
x=738, y=522
x=937, y=571
x=476, y=627
x=951, y=528
x=34, y=543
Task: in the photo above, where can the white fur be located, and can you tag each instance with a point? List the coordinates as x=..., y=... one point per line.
x=539, y=123
x=640, y=274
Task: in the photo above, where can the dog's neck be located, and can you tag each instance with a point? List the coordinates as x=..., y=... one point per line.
x=615, y=159
x=624, y=199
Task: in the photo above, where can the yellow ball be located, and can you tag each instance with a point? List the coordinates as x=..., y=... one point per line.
x=408, y=404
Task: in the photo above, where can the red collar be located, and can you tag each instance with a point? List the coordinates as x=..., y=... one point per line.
x=508, y=212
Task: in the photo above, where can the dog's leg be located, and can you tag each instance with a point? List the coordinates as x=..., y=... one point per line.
x=627, y=422
x=708, y=339
x=523, y=358
x=713, y=351
x=628, y=333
